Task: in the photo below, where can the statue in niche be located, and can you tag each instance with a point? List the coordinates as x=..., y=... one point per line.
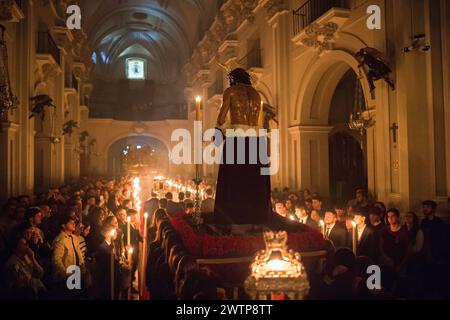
x=69, y=126
x=39, y=103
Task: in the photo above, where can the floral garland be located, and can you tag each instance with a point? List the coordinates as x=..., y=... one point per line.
x=214, y=247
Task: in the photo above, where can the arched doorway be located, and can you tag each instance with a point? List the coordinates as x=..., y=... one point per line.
x=121, y=148
x=347, y=158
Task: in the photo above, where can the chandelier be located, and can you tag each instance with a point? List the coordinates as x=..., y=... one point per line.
x=360, y=119
x=277, y=271
x=8, y=101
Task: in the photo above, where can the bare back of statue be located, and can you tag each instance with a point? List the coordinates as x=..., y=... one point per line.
x=244, y=104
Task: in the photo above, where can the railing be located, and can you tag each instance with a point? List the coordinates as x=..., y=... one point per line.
x=46, y=44
x=253, y=59
x=311, y=11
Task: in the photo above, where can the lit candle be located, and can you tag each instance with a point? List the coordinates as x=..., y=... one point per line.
x=145, y=227
x=355, y=236
x=112, y=235
x=130, y=255
x=198, y=101
x=128, y=230
x=322, y=227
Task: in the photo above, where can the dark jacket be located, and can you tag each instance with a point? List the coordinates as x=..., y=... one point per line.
x=338, y=235
x=366, y=244
x=102, y=272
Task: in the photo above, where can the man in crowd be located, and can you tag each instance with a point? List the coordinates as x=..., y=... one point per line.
x=365, y=240
x=317, y=205
x=22, y=273
x=436, y=249
x=303, y=217
x=173, y=208
x=151, y=205
x=207, y=205
x=334, y=231
x=66, y=253
x=361, y=201
x=107, y=262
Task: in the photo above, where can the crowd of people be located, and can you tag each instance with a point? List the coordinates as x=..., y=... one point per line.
x=413, y=255
x=91, y=225
x=76, y=230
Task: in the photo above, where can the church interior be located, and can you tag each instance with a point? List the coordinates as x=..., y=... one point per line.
x=354, y=96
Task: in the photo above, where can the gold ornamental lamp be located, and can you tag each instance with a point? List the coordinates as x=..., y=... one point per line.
x=277, y=272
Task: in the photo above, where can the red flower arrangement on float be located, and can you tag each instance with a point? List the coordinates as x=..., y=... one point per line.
x=207, y=246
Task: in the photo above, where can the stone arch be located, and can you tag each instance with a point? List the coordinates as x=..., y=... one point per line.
x=144, y=138
x=319, y=83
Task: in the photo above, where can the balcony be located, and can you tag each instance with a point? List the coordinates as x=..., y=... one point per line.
x=46, y=45
x=253, y=59
x=313, y=10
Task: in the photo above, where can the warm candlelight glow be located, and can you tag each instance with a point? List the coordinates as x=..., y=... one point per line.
x=280, y=263
x=322, y=223
x=354, y=224
x=198, y=99
x=128, y=219
x=113, y=233
x=145, y=215
x=130, y=250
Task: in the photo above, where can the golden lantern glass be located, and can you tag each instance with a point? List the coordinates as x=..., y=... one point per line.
x=277, y=271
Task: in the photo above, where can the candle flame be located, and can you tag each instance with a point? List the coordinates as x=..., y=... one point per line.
x=354, y=224
x=113, y=233
x=130, y=251
x=128, y=219
x=322, y=223
x=198, y=99
x=145, y=215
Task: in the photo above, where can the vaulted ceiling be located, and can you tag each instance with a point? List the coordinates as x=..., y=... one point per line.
x=164, y=32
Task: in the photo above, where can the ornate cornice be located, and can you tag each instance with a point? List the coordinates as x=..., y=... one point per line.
x=273, y=7
x=232, y=14
x=9, y=11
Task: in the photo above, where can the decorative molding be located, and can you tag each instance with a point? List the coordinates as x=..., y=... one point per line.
x=320, y=37
x=232, y=14
x=63, y=38
x=321, y=34
x=47, y=69
x=274, y=7
x=10, y=11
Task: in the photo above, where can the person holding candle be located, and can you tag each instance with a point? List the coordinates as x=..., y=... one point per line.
x=135, y=237
x=365, y=242
x=334, y=231
x=107, y=266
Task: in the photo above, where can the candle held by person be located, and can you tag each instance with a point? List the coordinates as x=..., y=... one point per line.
x=128, y=230
x=322, y=227
x=354, y=236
